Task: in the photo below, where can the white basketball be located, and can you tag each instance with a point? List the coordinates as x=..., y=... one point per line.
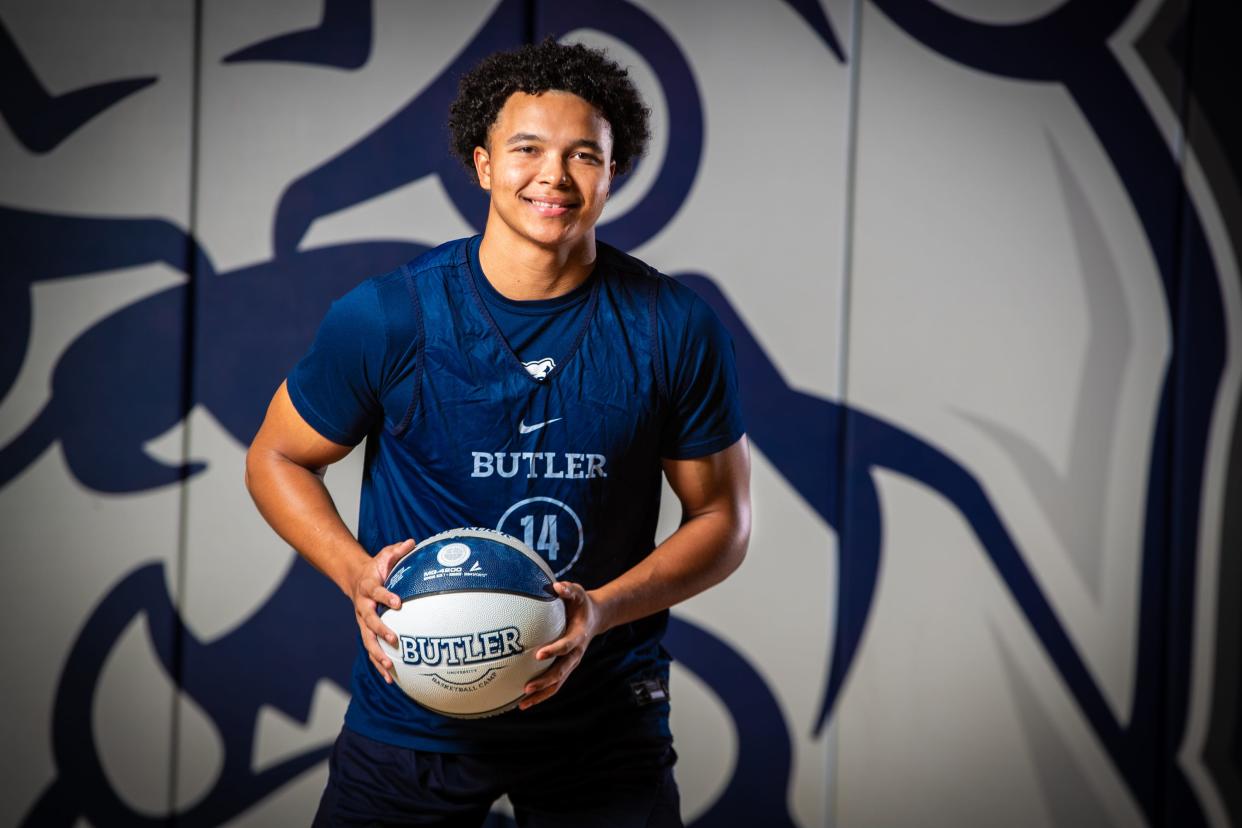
x=475, y=606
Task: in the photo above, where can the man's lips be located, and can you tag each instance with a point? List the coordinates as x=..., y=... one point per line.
x=550, y=206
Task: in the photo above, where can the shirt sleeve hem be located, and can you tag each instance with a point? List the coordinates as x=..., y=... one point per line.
x=702, y=448
x=314, y=420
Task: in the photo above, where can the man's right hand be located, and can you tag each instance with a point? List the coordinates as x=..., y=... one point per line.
x=368, y=593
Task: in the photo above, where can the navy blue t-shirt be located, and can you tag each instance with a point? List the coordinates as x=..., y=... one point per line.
x=462, y=432
x=535, y=329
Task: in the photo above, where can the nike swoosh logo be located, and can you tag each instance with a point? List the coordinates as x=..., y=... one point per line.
x=523, y=428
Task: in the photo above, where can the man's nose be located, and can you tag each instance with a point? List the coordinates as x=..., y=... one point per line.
x=554, y=170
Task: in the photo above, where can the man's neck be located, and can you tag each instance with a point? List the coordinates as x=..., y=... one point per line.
x=521, y=270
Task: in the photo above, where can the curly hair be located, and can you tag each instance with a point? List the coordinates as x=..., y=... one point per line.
x=535, y=68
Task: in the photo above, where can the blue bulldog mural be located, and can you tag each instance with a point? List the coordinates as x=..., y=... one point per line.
x=225, y=339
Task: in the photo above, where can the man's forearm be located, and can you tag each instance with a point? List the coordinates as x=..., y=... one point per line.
x=700, y=554
x=295, y=502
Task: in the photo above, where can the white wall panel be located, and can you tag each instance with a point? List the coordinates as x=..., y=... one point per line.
x=67, y=545
x=953, y=704
x=1007, y=310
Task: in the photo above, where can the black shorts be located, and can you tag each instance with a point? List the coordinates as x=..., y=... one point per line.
x=618, y=781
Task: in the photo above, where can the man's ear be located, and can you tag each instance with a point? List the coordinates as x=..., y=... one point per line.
x=483, y=167
x=612, y=173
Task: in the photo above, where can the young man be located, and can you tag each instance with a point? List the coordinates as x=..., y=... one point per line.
x=536, y=381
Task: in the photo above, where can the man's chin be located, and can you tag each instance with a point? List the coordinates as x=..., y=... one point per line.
x=554, y=239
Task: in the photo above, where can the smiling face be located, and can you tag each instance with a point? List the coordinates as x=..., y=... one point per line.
x=548, y=166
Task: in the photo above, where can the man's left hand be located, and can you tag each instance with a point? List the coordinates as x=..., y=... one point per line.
x=582, y=623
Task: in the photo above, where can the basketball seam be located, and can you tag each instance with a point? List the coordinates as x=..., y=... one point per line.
x=482, y=532
x=488, y=590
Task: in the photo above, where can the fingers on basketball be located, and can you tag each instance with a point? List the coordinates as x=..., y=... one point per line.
x=538, y=692
x=380, y=595
x=376, y=655
x=380, y=630
x=560, y=647
x=569, y=591
x=545, y=686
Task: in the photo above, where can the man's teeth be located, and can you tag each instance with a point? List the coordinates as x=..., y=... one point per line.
x=538, y=203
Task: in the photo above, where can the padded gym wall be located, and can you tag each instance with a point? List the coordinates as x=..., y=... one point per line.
x=979, y=263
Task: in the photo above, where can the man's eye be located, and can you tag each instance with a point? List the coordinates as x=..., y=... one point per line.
x=527, y=150
x=586, y=156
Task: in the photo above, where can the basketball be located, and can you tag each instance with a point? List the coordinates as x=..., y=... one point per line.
x=475, y=606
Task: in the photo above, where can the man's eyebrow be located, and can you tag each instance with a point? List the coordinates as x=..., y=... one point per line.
x=523, y=137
